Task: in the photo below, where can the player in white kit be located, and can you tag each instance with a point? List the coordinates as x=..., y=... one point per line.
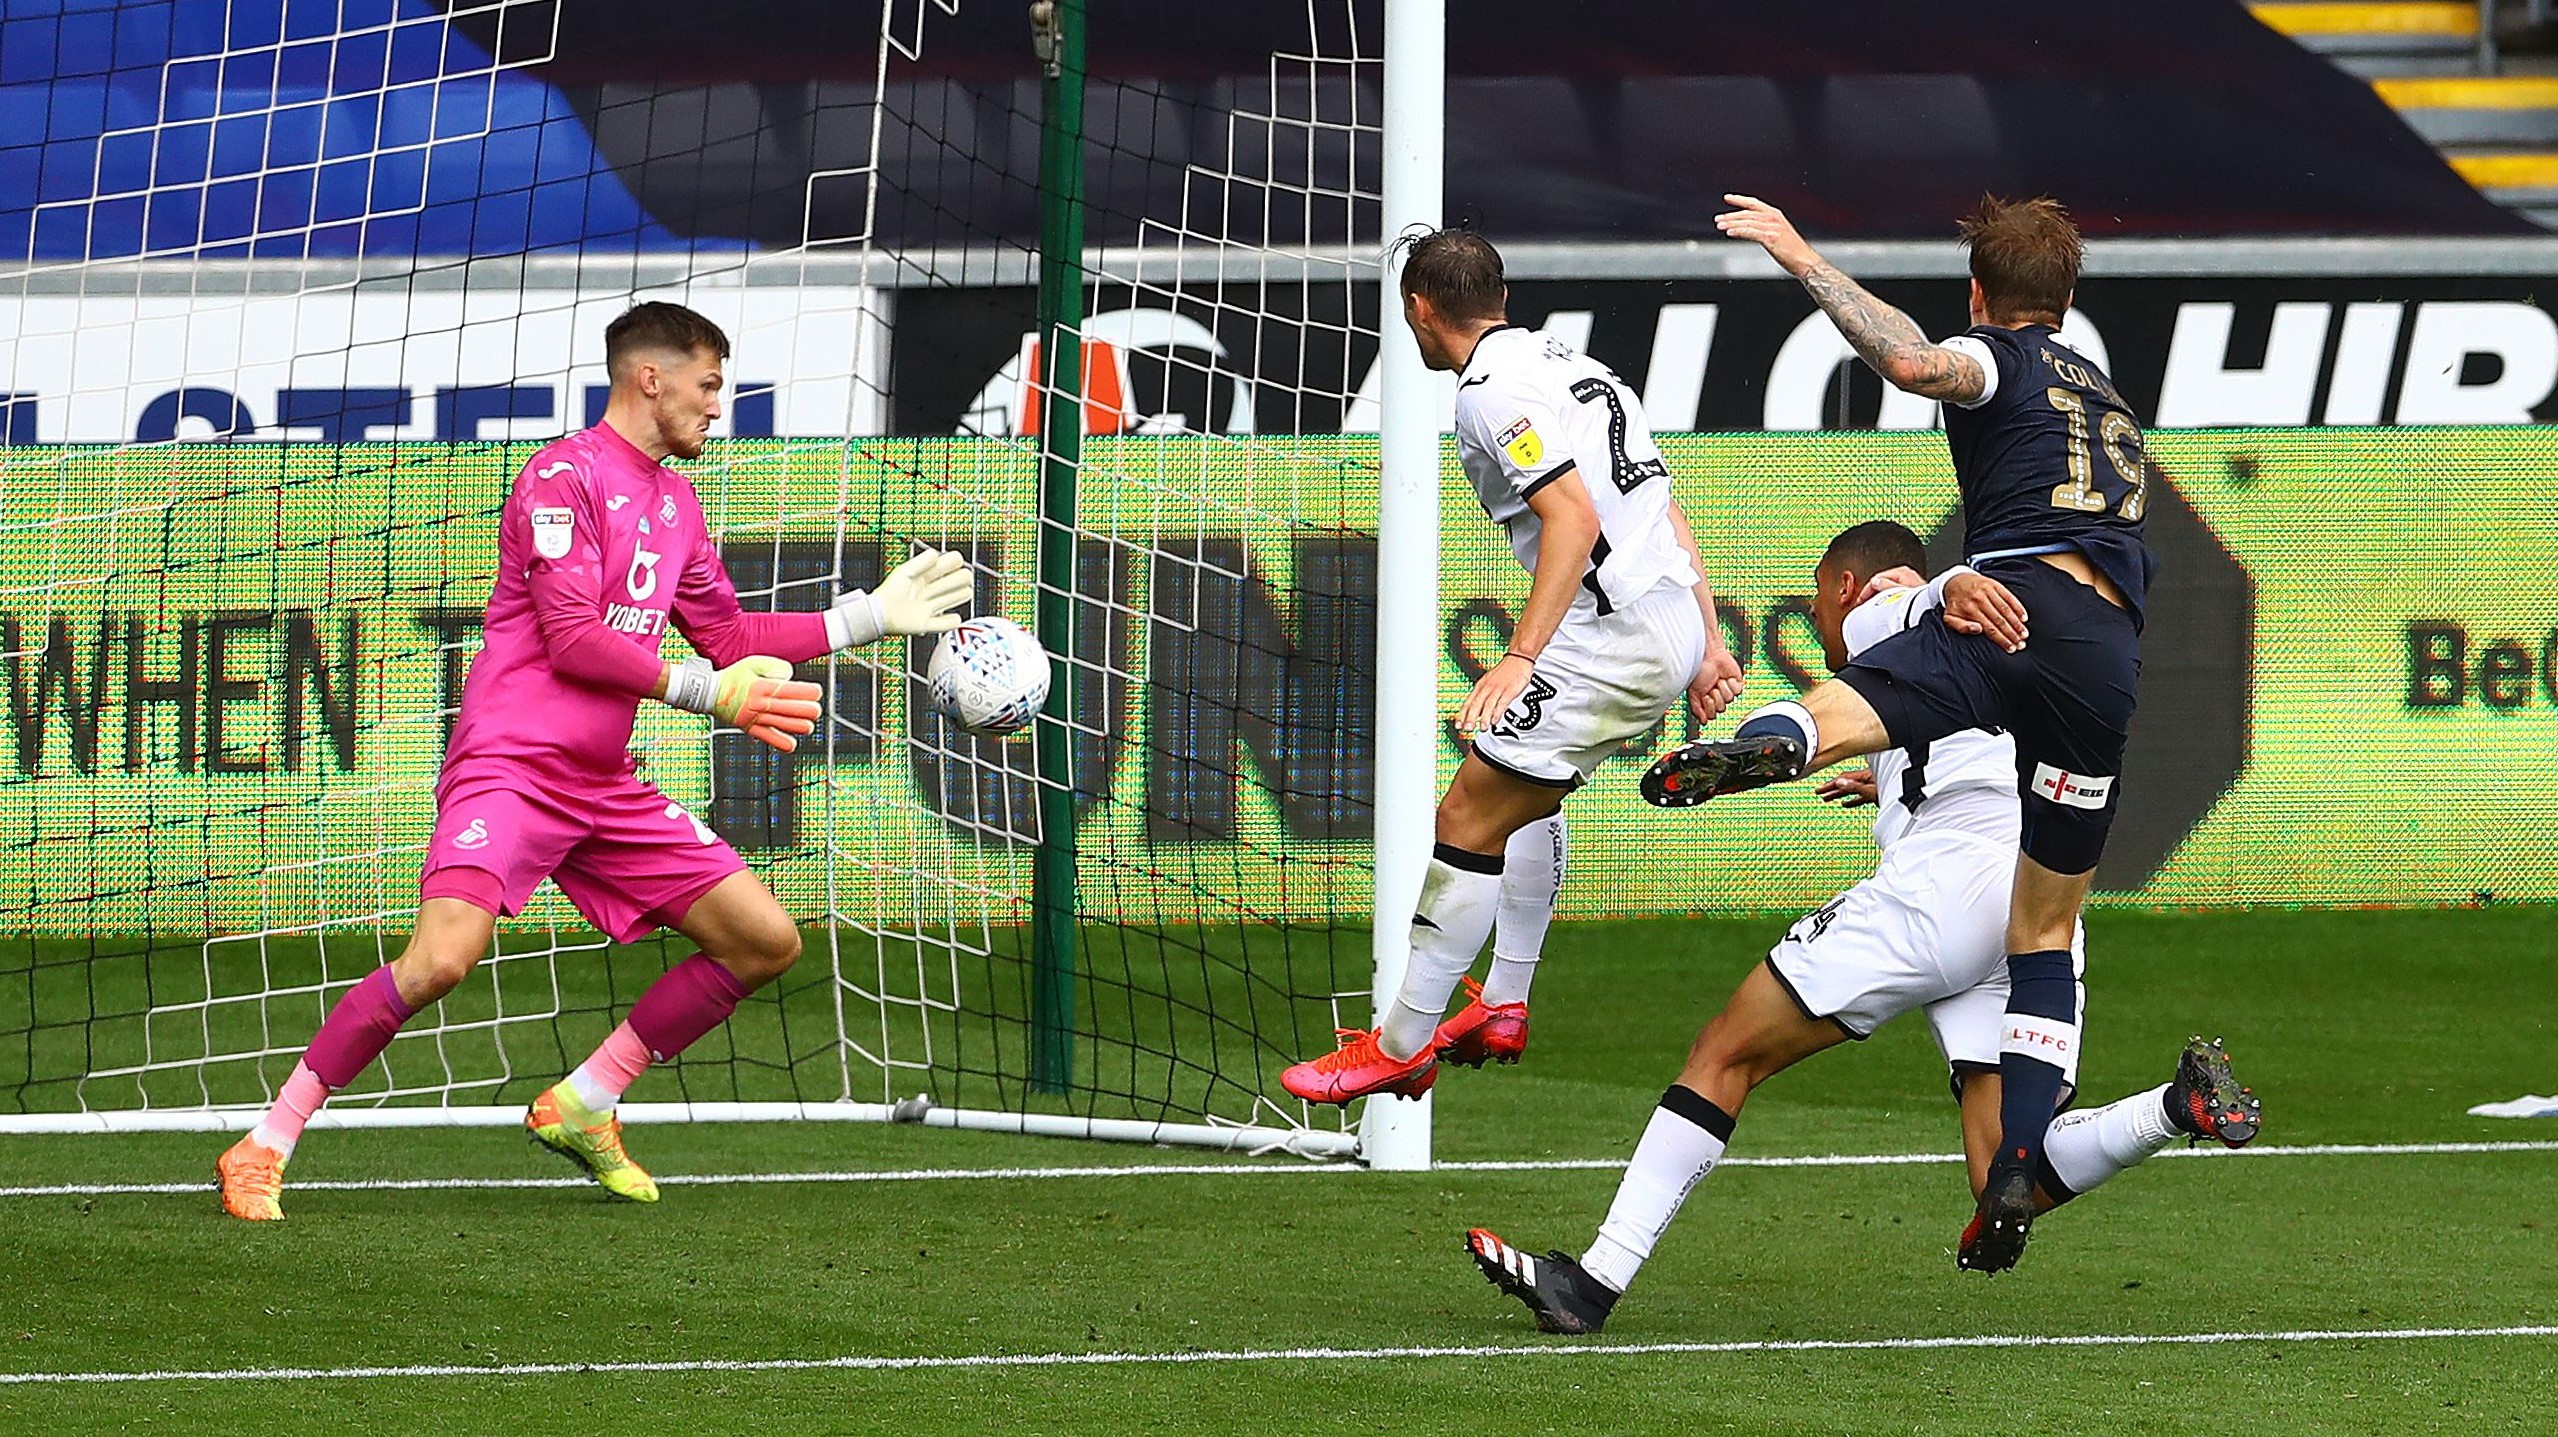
x=1619, y=623
x=1927, y=931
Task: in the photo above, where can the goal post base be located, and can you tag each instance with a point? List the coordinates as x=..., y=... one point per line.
x=1296, y=1142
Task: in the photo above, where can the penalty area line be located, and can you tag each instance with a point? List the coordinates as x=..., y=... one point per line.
x=1231, y=1169
x=858, y=1363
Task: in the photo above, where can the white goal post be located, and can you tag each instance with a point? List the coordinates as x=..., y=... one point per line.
x=1394, y=1132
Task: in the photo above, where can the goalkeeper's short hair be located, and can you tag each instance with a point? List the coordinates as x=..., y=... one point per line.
x=663, y=327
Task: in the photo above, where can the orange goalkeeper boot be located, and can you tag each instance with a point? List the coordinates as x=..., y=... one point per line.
x=1360, y=1067
x=252, y=1177
x=1483, y=1032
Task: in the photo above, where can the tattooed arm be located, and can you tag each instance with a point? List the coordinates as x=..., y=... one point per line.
x=1882, y=336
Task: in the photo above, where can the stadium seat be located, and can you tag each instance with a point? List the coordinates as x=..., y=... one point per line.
x=1738, y=128
x=1900, y=133
x=945, y=150
x=1539, y=129
x=1136, y=145
x=1266, y=134
x=720, y=169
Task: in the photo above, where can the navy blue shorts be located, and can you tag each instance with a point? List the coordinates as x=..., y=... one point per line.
x=2066, y=698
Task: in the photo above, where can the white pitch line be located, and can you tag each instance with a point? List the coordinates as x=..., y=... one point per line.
x=859, y=1363
x=1237, y=1169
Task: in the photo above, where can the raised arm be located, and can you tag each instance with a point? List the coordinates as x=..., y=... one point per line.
x=1974, y=603
x=1886, y=339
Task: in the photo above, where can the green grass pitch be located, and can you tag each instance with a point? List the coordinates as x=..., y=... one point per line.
x=2359, y=1028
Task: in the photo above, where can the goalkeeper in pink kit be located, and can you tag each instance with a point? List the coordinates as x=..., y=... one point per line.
x=600, y=548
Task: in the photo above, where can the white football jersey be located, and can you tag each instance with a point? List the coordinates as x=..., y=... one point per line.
x=1966, y=780
x=1530, y=407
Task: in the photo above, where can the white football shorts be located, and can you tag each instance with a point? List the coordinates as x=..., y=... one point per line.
x=1928, y=930
x=1603, y=681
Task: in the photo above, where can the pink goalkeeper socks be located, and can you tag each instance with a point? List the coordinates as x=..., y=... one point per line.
x=692, y=998
x=282, y=1126
x=358, y=1029
x=610, y=1070
x=354, y=1034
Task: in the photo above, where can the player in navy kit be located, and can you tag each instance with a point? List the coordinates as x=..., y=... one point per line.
x=2053, y=480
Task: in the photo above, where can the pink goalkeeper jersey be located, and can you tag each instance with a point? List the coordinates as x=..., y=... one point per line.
x=599, y=548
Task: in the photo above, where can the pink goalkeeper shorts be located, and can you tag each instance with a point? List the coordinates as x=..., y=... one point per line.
x=630, y=858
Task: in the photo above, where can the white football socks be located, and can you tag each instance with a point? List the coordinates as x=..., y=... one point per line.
x=1680, y=1146
x=1460, y=895
x=2088, y=1146
x=1531, y=881
x=591, y=1091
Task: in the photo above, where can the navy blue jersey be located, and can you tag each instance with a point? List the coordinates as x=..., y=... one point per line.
x=2052, y=456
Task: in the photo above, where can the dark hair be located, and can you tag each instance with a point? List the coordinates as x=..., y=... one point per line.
x=2026, y=255
x=660, y=326
x=1455, y=269
x=1874, y=546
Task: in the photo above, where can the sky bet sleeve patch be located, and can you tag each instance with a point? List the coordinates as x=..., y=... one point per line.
x=552, y=529
x=1520, y=442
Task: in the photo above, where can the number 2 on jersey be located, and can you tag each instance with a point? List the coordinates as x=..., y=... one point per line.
x=1626, y=472
x=2120, y=438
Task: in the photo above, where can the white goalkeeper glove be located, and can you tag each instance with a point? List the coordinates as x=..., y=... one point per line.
x=924, y=596
x=756, y=694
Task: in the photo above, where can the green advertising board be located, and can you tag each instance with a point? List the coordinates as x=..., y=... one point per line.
x=229, y=670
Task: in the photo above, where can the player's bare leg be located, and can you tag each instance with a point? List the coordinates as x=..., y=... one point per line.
x=746, y=941
x=452, y=935
x=1774, y=744
x=1460, y=897
x=2043, y=908
x=1761, y=1032
x=2088, y=1147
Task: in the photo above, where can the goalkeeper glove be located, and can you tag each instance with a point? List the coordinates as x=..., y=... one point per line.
x=756, y=694
x=924, y=596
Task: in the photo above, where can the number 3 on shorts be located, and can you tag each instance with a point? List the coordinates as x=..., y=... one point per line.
x=1528, y=708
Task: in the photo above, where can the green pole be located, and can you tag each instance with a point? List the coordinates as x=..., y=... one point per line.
x=1057, y=28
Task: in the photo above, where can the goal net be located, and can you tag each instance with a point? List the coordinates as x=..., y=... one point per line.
x=286, y=303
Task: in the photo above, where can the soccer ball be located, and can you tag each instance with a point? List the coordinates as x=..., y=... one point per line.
x=989, y=676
